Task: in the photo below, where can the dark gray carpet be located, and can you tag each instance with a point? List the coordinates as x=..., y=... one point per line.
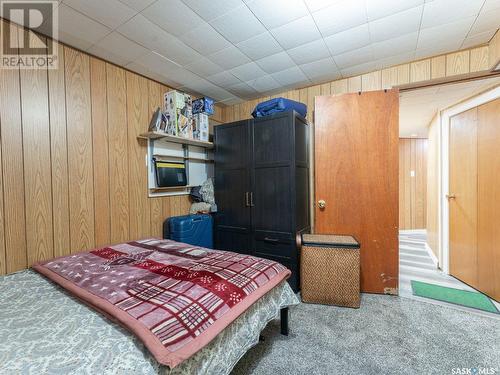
x=387, y=335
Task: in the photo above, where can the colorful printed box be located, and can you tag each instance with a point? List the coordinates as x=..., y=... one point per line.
x=201, y=127
x=203, y=105
x=178, y=109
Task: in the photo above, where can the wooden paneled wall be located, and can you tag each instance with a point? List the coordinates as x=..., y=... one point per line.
x=432, y=197
x=452, y=64
x=73, y=173
x=412, y=183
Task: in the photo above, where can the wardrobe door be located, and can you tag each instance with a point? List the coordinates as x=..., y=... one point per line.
x=272, y=209
x=232, y=187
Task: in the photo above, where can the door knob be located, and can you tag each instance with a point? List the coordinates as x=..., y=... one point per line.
x=321, y=204
x=450, y=196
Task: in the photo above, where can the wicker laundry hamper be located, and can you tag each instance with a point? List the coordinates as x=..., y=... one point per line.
x=329, y=268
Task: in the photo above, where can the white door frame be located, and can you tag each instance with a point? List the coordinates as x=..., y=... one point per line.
x=444, y=217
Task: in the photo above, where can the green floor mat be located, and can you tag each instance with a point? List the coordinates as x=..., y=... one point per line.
x=457, y=296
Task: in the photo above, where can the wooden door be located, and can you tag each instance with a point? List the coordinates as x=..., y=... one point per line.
x=488, y=246
x=463, y=196
x=232, y=187
x=356, y=174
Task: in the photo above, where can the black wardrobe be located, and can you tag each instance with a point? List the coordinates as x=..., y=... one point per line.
x=262, y=187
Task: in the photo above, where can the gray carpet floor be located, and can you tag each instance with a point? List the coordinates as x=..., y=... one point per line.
x=387, y=335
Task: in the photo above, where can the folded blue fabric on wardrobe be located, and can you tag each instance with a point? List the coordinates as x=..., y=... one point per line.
x=279, y=105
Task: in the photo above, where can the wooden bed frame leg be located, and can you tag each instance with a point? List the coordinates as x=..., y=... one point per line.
x=284, y=321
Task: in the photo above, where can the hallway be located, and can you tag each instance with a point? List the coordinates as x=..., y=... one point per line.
x=415, y=263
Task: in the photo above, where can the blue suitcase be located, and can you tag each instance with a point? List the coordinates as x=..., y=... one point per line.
x=195, y=230
x=279, y=105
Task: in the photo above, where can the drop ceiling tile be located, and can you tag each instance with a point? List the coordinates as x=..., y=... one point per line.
x=439, y=12
x=259, y=46
x=264, y=84
x=320, y=69
x=138, y=5
x=277, y=12
x=276, y=62
x=395, y=46
x=314, y=5
x=217, y=93
x=110, y=13
x=356, y=57
x=172, y=16
x=223, y=79
x=478, y=39
x=209, y=10
x=204, y=67
x=340, y=16
x=487, y=20
x=242, y=90
x=397, y=59
x=248, y=71
x=205, y=39
x=229, y=58
x=232, y=101
x=118, y=49
x=290, y=76
x=238, y=25
x=78, y=30
x=490, y=5
x=309, y=52
x=177, y=51
x=404, y=22
x=379, y=9
x=144, y=32
x=157, y=63
x=296, y=33
x=438, y=49
x=448, y=33
x=361, y=69
x=348, y=40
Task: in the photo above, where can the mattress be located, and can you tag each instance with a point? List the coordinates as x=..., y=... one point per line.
x=43, y=329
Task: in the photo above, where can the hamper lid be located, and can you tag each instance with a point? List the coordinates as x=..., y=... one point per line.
x=330, y=240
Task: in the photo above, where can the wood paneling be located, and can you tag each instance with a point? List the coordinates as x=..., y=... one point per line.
x=361, y=187
x=340, y=86
x=118, y=157
x=100, y=141
x=79, y=133
x=371, y=81
x=37, y=163
x=73, y=174
x=397, y=75
x=354, y=84
x=432, y=196
x=12, y=168
x=494, y=51
x=463, y=184
x=420, y=70
x=457, y=63
x=488, y=246
x=479, y=59
x=438, y=67
x=59, y=157
x=137, y=116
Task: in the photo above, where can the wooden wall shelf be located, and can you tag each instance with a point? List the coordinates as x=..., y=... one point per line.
x=175, y=139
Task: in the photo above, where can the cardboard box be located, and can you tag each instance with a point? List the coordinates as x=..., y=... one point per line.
x=201, y=127
x=178, y=109
x=203, y=105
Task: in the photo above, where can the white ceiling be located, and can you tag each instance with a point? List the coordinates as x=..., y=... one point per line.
x=235, y=50
x=418, y=107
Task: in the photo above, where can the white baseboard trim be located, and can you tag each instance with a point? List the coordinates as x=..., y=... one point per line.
x=432, y=255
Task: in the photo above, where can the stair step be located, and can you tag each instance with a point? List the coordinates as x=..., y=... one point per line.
x=416, y=258
x=426, y=266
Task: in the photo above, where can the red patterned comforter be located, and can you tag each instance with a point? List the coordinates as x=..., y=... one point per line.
x=175, y=297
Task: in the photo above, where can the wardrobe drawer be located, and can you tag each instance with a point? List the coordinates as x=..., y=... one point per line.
x=275, y=245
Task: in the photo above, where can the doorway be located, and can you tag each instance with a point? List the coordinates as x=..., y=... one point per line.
x=424, y=254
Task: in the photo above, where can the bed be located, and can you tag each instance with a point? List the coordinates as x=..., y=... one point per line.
x=44, y=328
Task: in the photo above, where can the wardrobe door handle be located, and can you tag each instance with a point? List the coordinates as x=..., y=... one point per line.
x=247, y=199
x=251, y=199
